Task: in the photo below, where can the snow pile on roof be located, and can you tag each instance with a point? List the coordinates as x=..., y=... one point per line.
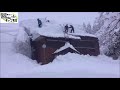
x=67, y=45
x=78, y=30
x=29, y=23
x=22, y=35
x=51, y=29
x=82, y=33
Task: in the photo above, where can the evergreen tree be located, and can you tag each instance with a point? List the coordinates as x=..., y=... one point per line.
x=109, y=33
x=88, y=29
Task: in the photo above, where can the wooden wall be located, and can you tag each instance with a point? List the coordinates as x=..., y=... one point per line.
x=85, y=45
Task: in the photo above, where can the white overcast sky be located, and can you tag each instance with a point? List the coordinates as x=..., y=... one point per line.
x=72, y=17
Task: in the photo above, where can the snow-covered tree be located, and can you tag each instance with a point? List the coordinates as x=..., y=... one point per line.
x=89, y=29
x=114, y=44
x=84, y=27
x=108, y=34
x=97, y=25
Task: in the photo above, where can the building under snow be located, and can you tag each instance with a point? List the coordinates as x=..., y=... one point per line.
x=50, y=41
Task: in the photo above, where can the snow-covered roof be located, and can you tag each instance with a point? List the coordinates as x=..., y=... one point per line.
x=67, y=45
x=51, y=29
x=22, y=35
x=82, y=34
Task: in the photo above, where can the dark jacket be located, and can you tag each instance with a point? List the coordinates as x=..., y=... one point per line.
x=39, y=23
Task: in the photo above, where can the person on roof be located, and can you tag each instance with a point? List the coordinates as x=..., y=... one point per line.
x=66, y=28
x=48, y=21
x=72, y=29
x=39, y=23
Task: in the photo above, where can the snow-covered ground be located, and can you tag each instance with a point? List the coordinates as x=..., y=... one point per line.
x=12, y=63
x=67, y=66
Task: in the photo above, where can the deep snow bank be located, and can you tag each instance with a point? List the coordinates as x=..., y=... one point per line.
x=75, y=65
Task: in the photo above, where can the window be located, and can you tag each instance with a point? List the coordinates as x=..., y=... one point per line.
x=55, y=43
x=83, y=44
